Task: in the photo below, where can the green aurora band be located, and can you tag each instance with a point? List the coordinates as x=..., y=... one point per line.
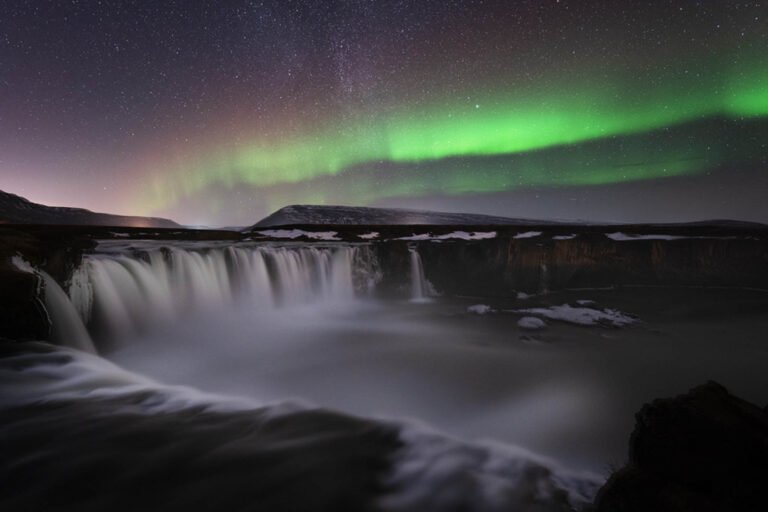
x=680, y=150
x=525, y=121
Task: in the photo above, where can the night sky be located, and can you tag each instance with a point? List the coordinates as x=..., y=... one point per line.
x=219, y=112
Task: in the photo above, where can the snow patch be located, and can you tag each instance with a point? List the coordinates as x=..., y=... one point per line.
x=527, y=234
x=22, y=264
x=582, y=315
x=296, y=233
x=463, y=235
x=415, y=237
x=565, y=237
x=522, y=296
x=480, y=309
x=623, y=237
x=369, y=236
x=455, y=235
x=531, y=323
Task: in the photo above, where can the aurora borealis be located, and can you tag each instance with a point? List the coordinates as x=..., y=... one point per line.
x=220, y=112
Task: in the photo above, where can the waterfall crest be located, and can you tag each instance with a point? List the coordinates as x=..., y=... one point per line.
x=121, y=293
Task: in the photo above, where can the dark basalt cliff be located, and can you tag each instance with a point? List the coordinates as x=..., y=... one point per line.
x=500, y=266
x=705, y=451
x=555, y=258
x=22, y=314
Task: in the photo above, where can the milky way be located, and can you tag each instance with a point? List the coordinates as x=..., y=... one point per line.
x=219, y=112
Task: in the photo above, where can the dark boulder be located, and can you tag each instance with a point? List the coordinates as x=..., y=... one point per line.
x=706, y=450
x=22, y=314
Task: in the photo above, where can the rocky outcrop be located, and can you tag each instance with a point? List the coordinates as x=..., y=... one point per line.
x=705, y=451
x=22, y=313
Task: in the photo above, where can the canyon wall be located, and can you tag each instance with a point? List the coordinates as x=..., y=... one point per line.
x=495, y=267
x=501, y=266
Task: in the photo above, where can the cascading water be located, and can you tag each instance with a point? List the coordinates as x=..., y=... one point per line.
x=421, y=289
x=543, y=278
x=118, y=293
x=67, y=328
x=217, y=318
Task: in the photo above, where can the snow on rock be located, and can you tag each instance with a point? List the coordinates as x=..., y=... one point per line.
x=531, y=323
x=457, y=235
x=623, y=237
x=296, y=233
x=527, y=234
x=369, y=236
x=22, y=264
x=585, y=302
x=565, y=237
x=480, y=309
x=463, y=235
x=582, y=315
x=415, y=237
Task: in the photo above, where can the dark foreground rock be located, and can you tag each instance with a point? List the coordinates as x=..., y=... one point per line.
x=22, y=314
x=703, y=451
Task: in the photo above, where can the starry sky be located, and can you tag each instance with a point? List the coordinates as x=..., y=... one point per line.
x=219, y=112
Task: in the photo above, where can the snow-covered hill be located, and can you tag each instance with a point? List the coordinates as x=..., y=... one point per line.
x=354, y=215
x=17, y=210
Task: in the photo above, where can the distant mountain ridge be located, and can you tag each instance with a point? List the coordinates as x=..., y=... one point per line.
x=303, y=214
x=359, y=215
x=18, y=210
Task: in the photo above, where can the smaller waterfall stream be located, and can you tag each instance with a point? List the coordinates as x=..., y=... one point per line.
x=543, y=278
x=67, y=329
x=421, y=289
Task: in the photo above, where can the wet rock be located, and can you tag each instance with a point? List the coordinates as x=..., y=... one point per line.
x=22, y=314
x=480, y=309
x=706, y=450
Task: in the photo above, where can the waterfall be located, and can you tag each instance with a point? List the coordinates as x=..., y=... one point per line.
x=67, y=328
x=421, y=289
x=543, y=279
x=120, y=293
